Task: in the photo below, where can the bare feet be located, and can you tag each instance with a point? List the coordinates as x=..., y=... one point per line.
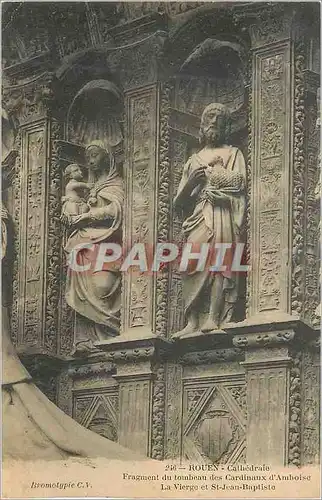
x=209, y=325
x=189, y=328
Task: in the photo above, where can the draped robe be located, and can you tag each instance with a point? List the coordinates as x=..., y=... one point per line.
x=32, y=426
x=212, y=222
x=85, y=291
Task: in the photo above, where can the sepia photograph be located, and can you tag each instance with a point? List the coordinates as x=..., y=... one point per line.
x=160, y=236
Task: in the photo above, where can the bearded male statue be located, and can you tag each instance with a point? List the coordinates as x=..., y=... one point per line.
x=211, y=196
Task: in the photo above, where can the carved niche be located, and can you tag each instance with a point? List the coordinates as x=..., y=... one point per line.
x=214, y=71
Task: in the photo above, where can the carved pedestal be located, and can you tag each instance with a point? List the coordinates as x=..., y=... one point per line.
x=274, y=371
x=140, y=374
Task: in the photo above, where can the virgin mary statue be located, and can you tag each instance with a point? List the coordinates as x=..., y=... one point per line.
x=33, y=427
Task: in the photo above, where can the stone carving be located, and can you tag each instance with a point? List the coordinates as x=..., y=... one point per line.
x=34, y=165
x=193, y=396
x=173, y=399
x=267, y=399
x=31, y=100
x=311, y=306
x=238, y=392
x=92, y=369
x=264, y=339
x=178, y=157
x=212, y=356
x=140, y=176
x=158, y=413
x=310, y=403
x=268, y=213
x=135, y=414
x=213, y=180
x=130, y=354
x=162, y=280
x=298, y=186
x=96, y=296
x=98, y=412
x=67, y=41
x=16, y=244
x=294, y=450
x=53, y=242
x=64, y=392
x=249, y=181
x=217, y=432
x=214, y=425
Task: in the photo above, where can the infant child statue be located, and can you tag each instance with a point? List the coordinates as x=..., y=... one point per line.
x=75, y=191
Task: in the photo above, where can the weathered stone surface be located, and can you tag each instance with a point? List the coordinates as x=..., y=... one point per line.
x=133, y=79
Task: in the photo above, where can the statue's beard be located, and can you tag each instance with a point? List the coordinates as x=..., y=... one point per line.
x=211, y=136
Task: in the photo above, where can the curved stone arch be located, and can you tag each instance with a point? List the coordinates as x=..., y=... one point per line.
x=92, y=97
x=83, y=67
x=96, y=113
x=211, y=22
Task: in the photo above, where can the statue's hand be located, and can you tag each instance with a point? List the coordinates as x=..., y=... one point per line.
x=78, y=219
x=196, y=177
x=66, y=219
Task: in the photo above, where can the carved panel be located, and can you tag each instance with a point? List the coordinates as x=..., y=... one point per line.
x=79, y=38
x=310, y=402
x=270, y=24
x=266, y=396
x=178, y=157
x=64, y=392
x=158, y=413
x=135, y=414
x=213, y=423
x=32, y=252
x=173, y=410
x=139, y=213
x=312, y=132
x=54, y=240
x=97, y=411
x=270, y=177
x=16, y=185
x=163, y=211
x=39, y=238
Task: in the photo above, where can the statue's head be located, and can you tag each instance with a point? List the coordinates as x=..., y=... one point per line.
x=97, y=156
x=73, y=171
x=215, y=125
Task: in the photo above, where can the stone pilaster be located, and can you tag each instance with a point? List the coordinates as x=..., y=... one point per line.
x=282, y=170
x=140, y=374
x=37, y=194
x=270, y=275
x=274, y=370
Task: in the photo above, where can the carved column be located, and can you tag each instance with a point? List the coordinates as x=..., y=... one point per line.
x=36, y=211
x=280, y=278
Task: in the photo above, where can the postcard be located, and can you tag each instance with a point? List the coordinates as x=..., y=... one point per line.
x=160, y=230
